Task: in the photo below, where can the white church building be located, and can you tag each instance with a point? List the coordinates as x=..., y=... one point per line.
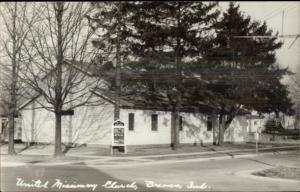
x=92, y=125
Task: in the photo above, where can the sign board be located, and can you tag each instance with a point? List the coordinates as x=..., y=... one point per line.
x=259, y=129
x=256, y=136
x=67, y=112
x=118, y=135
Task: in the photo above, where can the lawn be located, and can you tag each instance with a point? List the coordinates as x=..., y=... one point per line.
x=137, y=151
x=280, y=172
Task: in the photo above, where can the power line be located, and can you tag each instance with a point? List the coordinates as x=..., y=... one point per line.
x=276, y=9
x=281, y=9
x=296, y=36
x=266, y=36
x=282, y=21
x=294, y=41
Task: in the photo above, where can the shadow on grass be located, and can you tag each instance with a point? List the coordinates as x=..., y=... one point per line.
x=78, y=176
x=25, y=148
x=66, y=149
x=31, y=146
x=280, y=172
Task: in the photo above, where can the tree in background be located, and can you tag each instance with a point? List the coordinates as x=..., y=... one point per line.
x=14, y=19
x=57, y=49
x=244, y=73
x=295, y=94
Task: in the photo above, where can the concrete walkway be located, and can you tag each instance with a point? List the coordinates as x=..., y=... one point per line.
x=115, y=162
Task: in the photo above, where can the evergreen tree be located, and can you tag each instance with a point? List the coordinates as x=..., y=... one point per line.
x=113, y=27
x=247, y=75
x=172, y=37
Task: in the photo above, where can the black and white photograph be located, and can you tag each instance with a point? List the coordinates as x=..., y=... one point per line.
x=155, y=96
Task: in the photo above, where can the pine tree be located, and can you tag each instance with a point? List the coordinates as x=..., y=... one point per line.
x=112, y=24
x=172, y=38
x=246, y=68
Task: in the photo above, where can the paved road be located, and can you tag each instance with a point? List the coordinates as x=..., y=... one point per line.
x=217, y=175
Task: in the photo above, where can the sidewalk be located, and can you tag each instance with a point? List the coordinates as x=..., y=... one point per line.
x=115, y=162
x=90, y=158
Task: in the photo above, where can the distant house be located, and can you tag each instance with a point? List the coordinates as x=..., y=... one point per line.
x=4, y=124
x=289, y=121
x=255, y=123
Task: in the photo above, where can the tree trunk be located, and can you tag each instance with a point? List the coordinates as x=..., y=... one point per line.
x=11, y=134
x=175, y=128
x=118, y=74
x=32, y=124
x=58, y=151
x=70, y=126
x=13, y=87
x=58, y=86
x=297, y=121
x=118, y=82
x=221, y=130
x=177, y=102
x=70, y=138
x=215, y=130
x=224, y=123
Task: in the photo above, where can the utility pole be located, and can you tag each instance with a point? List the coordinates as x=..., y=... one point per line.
x=118, y=71
x=282, y=21
x=297, y=121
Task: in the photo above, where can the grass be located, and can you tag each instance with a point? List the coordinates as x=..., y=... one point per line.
x=280, y=172
x=136, y=151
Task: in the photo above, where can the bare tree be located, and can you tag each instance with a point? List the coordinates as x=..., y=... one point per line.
x=14, y=31
x=57, y=46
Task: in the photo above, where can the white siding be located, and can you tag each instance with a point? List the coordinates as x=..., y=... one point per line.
x=254, y=124
x=289, y=122
x=93, y=124
x=195, y=129
x=237, y=130
x=142, y=133
x=37, y=125
x=90, y=124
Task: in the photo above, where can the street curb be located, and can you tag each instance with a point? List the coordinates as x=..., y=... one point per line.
x=150, y=161
x=159, y=162
x=185, y=154
x=165, y=155
x=214, y=152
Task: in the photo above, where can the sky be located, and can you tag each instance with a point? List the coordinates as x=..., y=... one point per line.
x=272, y=13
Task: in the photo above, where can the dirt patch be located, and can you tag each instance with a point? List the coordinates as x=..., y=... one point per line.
x=280, y=172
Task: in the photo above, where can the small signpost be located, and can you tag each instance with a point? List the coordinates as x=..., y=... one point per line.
x=118, y=136
x=258, y=131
